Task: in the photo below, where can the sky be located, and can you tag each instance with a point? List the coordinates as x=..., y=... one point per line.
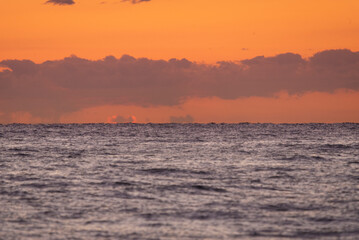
x=77, y=61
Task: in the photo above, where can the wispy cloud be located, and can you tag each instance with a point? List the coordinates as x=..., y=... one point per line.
x=136, y=1
x=61, y=2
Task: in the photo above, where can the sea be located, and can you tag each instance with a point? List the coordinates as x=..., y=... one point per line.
x=179, y=181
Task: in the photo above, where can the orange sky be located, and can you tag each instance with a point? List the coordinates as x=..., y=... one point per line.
x=310, y=107
x=202, y=31
x=199, y=30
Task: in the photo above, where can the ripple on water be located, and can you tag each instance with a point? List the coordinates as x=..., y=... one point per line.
x=179, y=181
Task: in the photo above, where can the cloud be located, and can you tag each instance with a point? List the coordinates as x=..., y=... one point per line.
x=121, y=119
x=53, y=88
x=61, y=2
x=3, y=69
x=136, y=1
x=182, y=119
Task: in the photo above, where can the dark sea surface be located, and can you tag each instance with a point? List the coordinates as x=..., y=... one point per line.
x=179, y=181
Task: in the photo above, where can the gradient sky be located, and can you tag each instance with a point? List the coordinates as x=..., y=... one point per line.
x=179, y=61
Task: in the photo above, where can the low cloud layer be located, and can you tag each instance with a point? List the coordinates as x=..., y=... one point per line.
x=61, y=2
x=53, y=88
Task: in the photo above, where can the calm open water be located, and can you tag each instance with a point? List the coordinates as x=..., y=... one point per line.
x=179, y=181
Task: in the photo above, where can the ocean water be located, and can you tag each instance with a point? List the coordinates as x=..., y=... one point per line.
x=179, y=181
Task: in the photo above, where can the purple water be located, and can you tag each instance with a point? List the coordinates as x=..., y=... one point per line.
x=179, y=181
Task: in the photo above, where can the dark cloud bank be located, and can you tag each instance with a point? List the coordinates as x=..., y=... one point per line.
x=52, y=88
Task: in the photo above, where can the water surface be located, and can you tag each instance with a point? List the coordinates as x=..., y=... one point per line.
x=179, y=181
